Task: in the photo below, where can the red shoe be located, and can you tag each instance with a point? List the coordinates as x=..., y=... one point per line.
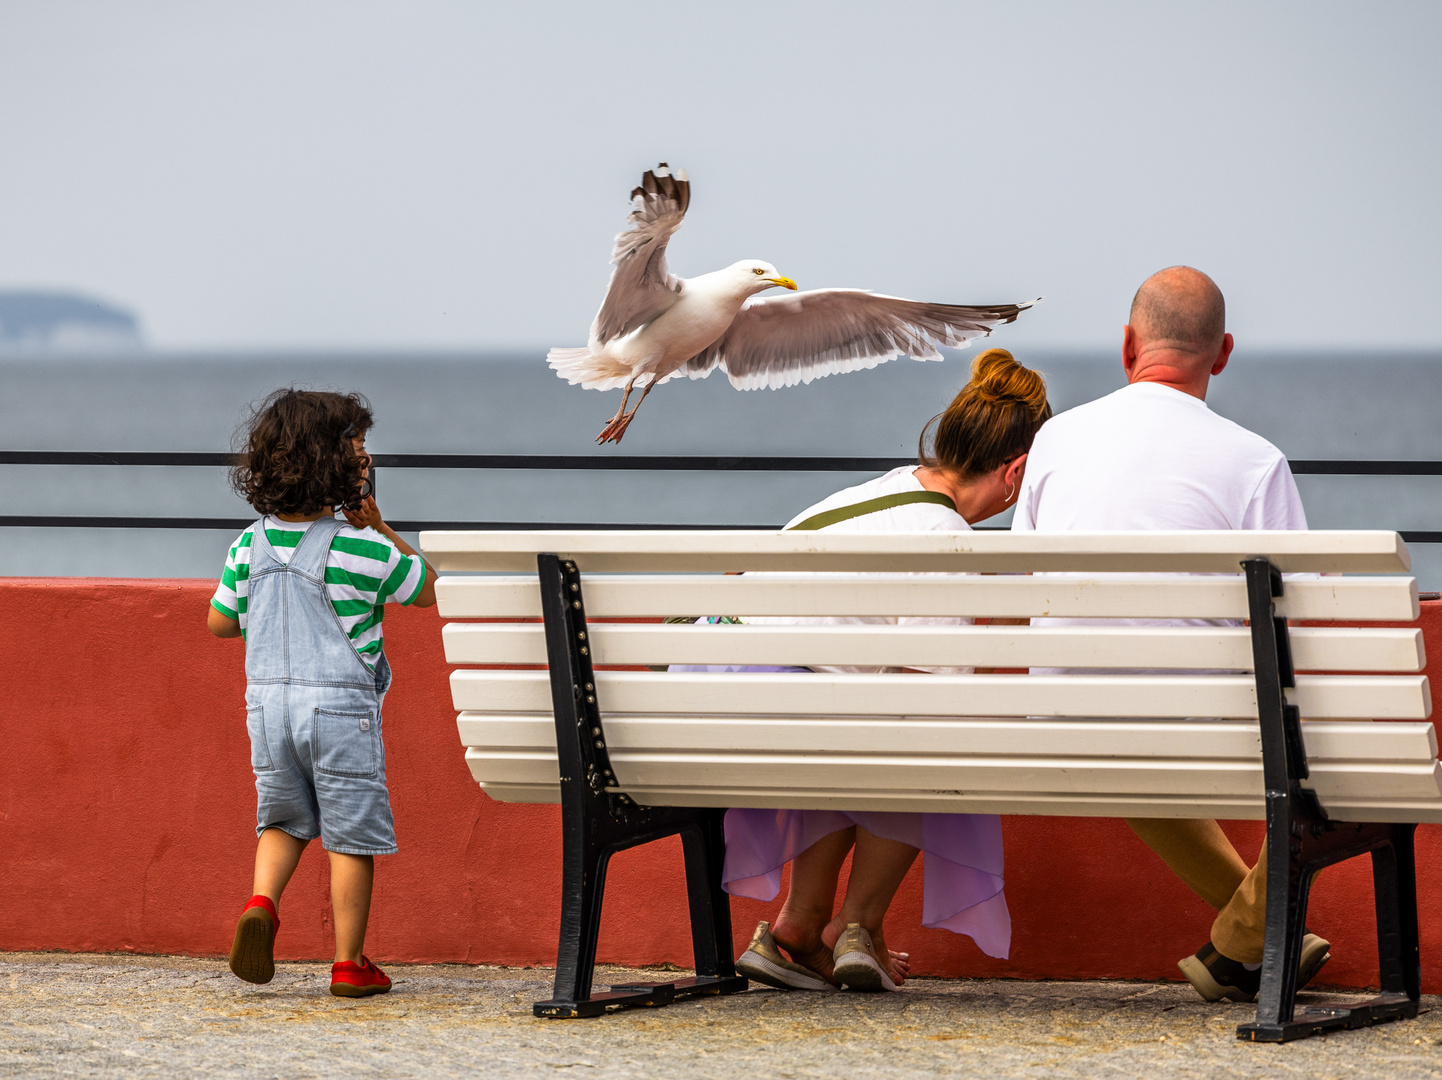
x=357, y=980
x=252, y=953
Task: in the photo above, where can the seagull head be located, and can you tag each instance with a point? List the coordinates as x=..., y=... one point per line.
x=753, y=275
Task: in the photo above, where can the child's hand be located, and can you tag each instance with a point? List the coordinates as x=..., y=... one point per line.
x=365, y=516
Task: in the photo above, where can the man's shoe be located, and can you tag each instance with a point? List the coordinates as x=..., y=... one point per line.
x=349, y=979
x=252, y=953
x=1217, y=977
x=762, y=961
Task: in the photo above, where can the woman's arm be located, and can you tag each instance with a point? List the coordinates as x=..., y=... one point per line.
x=368, y=516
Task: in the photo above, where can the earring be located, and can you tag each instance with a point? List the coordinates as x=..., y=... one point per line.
x=1010, y=492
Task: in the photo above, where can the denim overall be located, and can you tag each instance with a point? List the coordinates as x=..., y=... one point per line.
x=313, y=707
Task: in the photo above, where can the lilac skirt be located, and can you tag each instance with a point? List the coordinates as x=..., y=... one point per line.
x=962, y=879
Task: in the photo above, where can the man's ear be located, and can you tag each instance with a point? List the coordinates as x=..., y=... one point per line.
x=1220, y=363
x=1129, y=350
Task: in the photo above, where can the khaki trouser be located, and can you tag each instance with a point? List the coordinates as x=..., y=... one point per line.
x=1200, y=854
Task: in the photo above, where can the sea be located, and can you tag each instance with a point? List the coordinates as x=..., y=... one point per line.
x=1310, y=404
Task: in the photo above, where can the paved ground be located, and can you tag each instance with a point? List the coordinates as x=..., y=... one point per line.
x=100, y=1016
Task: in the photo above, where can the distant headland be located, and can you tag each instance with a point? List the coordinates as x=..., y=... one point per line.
x=36, y=320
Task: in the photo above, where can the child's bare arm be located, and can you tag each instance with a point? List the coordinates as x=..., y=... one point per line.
x=221, y=625
x=368, y=516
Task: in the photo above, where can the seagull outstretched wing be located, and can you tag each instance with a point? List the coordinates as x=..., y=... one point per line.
x=785, y=340
x=641, y=285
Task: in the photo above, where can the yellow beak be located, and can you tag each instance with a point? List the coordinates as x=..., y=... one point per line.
x=784, y=282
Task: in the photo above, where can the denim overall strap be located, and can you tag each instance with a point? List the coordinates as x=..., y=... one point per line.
x=262, y=554
x=310, y=559
x=310, y=555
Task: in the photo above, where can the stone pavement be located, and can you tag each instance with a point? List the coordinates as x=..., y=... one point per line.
x=65, y=1015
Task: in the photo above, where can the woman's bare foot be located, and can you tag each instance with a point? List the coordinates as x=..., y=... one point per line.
x=897, y=964
x=804, y=944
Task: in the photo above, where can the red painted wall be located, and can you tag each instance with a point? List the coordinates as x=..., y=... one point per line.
x=127, y=813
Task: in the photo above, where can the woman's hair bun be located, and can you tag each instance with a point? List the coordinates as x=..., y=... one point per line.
x=991, y=422
x=997, y=376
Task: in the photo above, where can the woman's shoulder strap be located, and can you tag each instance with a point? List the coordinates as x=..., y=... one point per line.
x=870, y=506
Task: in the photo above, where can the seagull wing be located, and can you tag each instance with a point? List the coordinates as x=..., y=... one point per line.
x=785, y=340
x=641, y=285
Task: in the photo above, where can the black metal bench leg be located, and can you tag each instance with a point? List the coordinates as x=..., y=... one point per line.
x=704, y=846
x=1394, y=883
x=1287, y=894
x=583, y=886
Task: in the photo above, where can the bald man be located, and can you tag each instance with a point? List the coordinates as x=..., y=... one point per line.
x=1153, y=456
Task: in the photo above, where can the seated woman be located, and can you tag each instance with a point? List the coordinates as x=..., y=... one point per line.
x=972, y=472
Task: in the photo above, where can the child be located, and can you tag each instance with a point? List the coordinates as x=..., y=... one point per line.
x=306, y=592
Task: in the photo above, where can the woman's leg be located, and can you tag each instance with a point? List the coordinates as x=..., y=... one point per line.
x=877, y=871
x=351, y=879
x=811, y=899
x=277, y=854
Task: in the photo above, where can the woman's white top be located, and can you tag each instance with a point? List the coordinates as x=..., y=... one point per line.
x=911, y=517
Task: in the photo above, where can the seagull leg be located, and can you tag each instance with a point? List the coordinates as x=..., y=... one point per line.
x=610, y=427
x=624, y=422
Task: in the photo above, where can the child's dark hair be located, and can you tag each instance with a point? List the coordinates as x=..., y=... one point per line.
x=991, y=422
x=294, y=453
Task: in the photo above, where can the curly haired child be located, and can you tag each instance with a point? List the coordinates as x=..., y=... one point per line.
x=307, y=592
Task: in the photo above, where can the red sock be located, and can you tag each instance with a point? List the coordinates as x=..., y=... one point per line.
x=262, y=901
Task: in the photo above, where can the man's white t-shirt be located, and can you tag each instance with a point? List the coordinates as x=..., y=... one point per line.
x=1151, y=457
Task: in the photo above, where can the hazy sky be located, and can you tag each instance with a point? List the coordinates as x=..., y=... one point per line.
x=435, y=174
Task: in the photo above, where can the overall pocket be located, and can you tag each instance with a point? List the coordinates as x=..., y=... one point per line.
x=259, y=748
x=345, y=743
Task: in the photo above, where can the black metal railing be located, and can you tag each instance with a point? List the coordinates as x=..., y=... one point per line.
x=567, y=463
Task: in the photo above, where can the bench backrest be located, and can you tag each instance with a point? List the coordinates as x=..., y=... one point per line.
x=1160, y=721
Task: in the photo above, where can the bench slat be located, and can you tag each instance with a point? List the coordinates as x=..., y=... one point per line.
x=1325, y=740
x=1393, y=599
x=1373, y=806
x=938, y=774
x=1070, y=805
x=1340, y=697
x=1333, y=551
x=972, y=803
x=1200, y=648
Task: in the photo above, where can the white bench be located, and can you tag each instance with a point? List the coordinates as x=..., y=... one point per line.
x=1195, y=721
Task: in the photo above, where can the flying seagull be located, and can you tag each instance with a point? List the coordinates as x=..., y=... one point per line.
x=654, y=326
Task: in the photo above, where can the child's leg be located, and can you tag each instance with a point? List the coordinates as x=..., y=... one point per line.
x=351, y=878
x=252, y=954
x=276, y=857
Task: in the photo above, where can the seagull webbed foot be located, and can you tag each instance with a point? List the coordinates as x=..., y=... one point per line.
x=613, y=431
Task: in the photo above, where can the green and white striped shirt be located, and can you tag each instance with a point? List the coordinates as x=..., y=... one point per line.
x=364, y=571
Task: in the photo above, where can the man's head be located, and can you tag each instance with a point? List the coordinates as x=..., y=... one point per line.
x=1177, y=331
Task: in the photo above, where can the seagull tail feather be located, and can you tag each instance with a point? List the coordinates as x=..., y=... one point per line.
x=591, y=371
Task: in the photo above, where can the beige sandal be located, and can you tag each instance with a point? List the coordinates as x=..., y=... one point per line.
x=763, y=962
